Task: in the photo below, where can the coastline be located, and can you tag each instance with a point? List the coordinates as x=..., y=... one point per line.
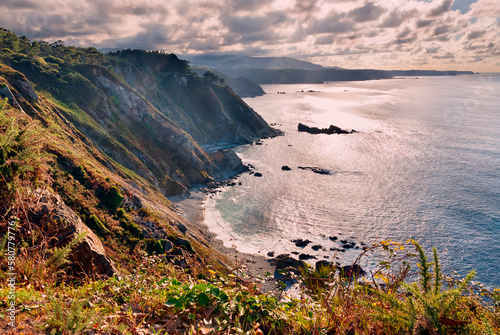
x=253, y=266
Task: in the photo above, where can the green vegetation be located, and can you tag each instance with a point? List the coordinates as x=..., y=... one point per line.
x=161, y=297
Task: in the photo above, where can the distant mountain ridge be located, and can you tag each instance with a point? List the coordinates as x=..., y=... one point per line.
x=232, y=62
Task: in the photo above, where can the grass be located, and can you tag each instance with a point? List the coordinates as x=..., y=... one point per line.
x=162, y=298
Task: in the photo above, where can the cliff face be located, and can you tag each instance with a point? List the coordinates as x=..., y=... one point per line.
x=146, y=112
x=210, y=112
x=122, y=132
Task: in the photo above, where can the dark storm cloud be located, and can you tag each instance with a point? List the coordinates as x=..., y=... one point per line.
x=475, y=34
x=443, y=8
x=368, y=12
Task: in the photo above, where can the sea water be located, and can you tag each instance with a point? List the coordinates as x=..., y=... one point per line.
x=423, y=164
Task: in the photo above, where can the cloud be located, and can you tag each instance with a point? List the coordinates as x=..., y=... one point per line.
x=367, y=12
x=347, y=33
x=489, y=8
x=441, y=9
x=448, y=55
x=475, y=34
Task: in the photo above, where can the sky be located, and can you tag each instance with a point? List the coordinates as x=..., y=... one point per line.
x=377, y=34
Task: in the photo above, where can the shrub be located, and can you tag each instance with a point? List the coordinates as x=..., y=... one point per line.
x=21, y=156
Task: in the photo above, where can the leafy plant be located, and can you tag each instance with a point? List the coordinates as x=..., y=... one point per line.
x=423, y=306
x=60, y=255
x=21, y=157
x=71, y=317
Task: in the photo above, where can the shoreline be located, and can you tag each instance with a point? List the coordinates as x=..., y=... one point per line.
x=253, y=266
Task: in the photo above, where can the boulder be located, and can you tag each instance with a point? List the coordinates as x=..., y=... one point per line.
x=285, y=168
x=306, y=257
x=301, y=243
x=258, y=174
x=89, y=256
x=289, y=263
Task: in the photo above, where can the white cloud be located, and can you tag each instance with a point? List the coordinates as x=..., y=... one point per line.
x=348, y=33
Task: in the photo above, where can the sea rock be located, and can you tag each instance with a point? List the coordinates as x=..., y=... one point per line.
x=89, y=256
x=331, y=130
x=301, y=243
x=289, y=263
x=258, y=174
x=306, y=257
x=285, y=168
x=315, y=169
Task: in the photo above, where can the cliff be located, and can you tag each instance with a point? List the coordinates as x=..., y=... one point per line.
x=108, y=137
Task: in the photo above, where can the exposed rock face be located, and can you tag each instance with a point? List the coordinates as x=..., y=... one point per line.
x=331, y=130
x=5, y=92
x=89, y=256
x=228, y=162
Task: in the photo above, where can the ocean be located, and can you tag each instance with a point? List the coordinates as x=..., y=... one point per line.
x=423, y=164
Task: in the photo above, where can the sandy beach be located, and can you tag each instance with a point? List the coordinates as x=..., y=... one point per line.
x=252, y=266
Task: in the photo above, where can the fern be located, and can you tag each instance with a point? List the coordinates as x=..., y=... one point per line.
x=422, y=307
x=72, y=319
x=437, y=273
x=60, y=256
x=424, y=268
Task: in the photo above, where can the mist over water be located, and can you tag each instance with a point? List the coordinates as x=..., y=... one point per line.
x=424, y=164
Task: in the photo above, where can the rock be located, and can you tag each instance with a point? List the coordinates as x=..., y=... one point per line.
x=182, y=227
x=313, y=130
x=316, y=247
x=258, y=174
x=167, y=246
x=270, y=254
x=228, y=162
x=285, y=168
x=181, y=242
x=352, y=271
x=289, y=263
x=306, y=257
x=348, y=245
x=25, y=88
x=89, y=256
x=333, y=238
x=301, y=243
x=315, y=169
